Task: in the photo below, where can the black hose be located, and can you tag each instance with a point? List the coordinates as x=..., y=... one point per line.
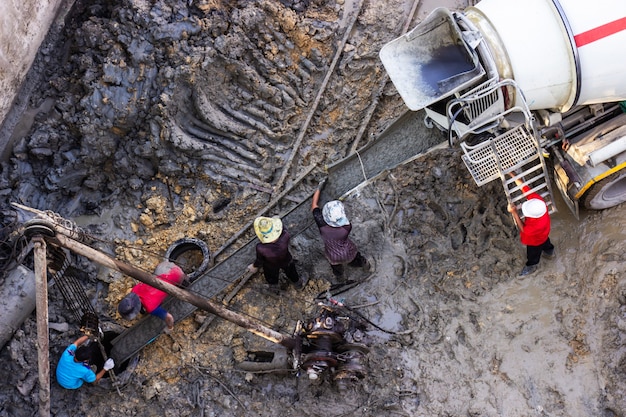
x=368, y=321
x=324, y=296
x=451, y=122
x=344, y=286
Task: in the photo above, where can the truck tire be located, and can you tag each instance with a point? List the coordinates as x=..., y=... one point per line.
x=192, y=254
x=607, y=192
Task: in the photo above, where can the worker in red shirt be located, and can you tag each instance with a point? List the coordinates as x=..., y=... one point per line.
x=144, y=297
x=534, y=229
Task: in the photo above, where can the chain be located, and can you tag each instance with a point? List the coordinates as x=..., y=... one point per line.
x=76, y=231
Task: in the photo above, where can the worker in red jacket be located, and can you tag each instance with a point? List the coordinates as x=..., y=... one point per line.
x=144, y=297
x=534, y=229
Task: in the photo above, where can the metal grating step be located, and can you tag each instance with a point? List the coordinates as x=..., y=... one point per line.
x=514, y=151
x=483, y=109
x=487, y=160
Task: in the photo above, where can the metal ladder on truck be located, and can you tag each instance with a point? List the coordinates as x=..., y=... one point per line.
x=507, y=147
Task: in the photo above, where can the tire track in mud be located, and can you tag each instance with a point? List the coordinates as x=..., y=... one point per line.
x=253, y=92
x=405, y=138
x=240, y=116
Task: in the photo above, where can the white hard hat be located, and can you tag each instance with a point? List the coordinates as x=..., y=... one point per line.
x=534, y=208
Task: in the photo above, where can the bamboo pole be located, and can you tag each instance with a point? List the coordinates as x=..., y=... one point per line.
x=209, y=319
x=247, y=323
x=331, y=69
x=264, y=211
x=383, y=82
x=43, y=356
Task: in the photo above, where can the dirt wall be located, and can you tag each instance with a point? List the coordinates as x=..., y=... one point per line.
x=23, y=27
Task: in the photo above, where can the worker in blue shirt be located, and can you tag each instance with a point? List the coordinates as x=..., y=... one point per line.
x=74, y=367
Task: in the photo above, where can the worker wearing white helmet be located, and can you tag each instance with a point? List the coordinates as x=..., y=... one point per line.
x=534, y=229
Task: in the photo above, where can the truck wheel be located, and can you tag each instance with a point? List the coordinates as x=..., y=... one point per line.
x=607, y=192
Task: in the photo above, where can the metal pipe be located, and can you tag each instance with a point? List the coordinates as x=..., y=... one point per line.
x=103, y=352
x=19, y=300
x=247, y=323
x=43, y=357
x=606, y=152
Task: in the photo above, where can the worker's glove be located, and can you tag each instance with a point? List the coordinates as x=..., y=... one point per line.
x=253, y=269
x=109, y=364
x=322, y=183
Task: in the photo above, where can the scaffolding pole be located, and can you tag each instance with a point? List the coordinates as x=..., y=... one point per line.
x=43, y=356
x=218, y=309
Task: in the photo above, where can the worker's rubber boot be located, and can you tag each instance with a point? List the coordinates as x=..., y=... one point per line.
x=301, y=283
x=528, y=270
x=367, y=265
x=338, y=272
x=549, y=254
x=273, y=289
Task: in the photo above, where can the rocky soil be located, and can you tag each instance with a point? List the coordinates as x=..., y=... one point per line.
x=167, y=119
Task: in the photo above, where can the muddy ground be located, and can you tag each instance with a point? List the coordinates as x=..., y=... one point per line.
x=161, y=120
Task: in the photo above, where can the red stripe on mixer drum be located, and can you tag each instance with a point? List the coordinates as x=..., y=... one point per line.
x=600, y=32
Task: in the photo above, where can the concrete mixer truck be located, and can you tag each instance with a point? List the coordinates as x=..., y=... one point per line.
x=529, y=89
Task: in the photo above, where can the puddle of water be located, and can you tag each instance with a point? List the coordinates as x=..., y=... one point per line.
x=390, y=321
